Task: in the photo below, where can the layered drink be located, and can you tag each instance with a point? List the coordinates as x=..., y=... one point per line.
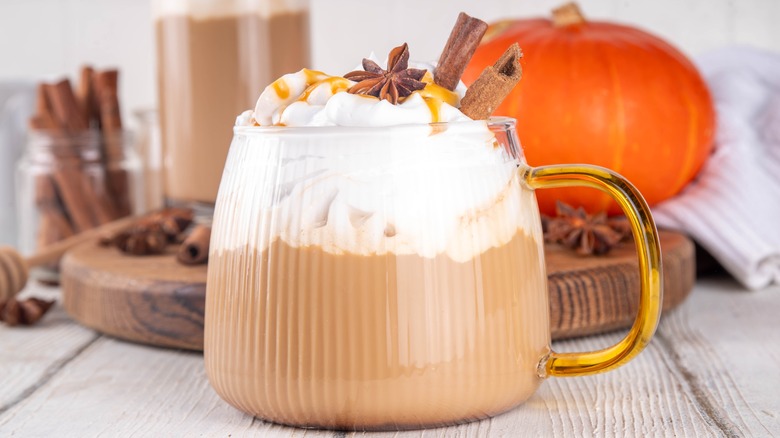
x=213, y=58
x=374, y=265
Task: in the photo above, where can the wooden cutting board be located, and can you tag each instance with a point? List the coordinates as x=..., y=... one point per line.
x=155, y=300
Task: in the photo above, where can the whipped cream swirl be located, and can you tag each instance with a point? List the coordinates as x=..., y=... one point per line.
x=312, y=98
x=401, y=190
x=407, y=188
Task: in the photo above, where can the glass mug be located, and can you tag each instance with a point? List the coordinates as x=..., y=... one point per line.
x=212, y=58
x=393, y=278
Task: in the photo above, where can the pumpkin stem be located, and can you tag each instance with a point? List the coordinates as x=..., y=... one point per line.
x=567, y=15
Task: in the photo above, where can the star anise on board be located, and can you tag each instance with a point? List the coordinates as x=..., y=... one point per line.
x=28, y=312
x=141, y=239
x=173, y=221
x=391, y=84
x=151, y=234
x=585, y=233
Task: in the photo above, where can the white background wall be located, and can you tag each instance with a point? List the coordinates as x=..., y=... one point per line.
x=50, y=38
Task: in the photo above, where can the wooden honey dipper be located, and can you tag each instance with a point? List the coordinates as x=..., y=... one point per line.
x=14, y=268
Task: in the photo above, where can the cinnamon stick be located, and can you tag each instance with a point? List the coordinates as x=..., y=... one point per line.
x=106, y=87
x=86, y=94
x=69, y=179
x=460, y=47
x=55, y=224
x=94, y=186
x=54, y=227
x=38, y=123
x=195, y=248
x=118, y=186
x=47, y=200
x=493, y=85
x=44, y=115
x=117, y=179
x=45, y=194
x=66, y=109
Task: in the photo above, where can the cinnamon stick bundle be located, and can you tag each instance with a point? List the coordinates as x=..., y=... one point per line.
x=75, y=197
x=105, y=85
x=495, y=82
x=87, y=205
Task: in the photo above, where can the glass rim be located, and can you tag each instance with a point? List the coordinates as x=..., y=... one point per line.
x=492, y=123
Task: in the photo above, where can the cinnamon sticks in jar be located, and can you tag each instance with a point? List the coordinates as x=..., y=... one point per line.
x=106, y=104
x=73, y=135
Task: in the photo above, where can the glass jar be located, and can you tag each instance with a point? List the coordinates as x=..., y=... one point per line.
x=68, y=183
x=149, y=148
x=214, y=57
x=17, y=102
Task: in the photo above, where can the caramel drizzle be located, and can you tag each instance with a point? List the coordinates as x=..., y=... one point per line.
x=433, y=95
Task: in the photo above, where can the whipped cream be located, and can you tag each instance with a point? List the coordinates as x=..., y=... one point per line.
x=401, y=190
x=408, y=187
x=313, y=98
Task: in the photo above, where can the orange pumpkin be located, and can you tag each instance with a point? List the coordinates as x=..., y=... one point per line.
x=605, y=94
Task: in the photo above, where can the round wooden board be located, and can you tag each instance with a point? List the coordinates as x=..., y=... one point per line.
x=152, y=299
x=590, y=295
x=155, y=300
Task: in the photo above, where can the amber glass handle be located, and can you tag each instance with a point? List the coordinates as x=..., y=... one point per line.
x=648, y=247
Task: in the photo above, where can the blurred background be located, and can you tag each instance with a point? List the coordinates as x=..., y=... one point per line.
x=51, y=38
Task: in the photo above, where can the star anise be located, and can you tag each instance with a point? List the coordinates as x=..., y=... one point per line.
x=27, y=312
x=391, y=84
x=141, y=239
x=585, y=233
x=152, y=233
x=173, y=221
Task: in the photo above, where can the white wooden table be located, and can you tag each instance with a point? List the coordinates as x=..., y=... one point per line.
x=712, y=370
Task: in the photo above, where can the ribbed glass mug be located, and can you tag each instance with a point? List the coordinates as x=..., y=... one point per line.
x=213, y=56
x=393, y=278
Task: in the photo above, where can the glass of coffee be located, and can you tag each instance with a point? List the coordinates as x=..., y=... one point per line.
x=393, y=277
x=213, y=58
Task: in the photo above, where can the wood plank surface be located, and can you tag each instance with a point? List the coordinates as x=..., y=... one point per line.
x=711, y=371
x=30, y=356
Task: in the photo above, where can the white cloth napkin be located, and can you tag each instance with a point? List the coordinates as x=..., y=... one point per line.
x=732, y=209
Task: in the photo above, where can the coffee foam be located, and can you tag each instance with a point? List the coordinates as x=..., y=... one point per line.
x=406, y=190
x=207, y=9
